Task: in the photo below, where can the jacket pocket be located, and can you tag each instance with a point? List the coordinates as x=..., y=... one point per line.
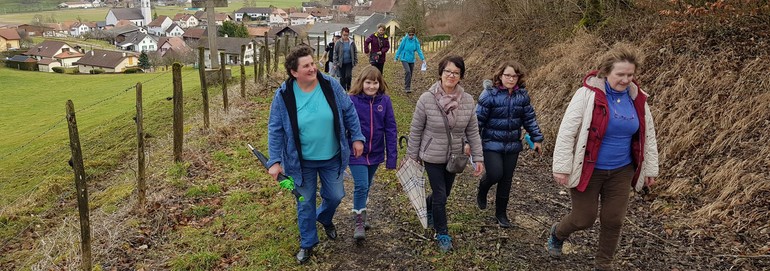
x=427, y=144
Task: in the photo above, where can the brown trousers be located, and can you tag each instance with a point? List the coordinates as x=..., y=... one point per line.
x=613, y=187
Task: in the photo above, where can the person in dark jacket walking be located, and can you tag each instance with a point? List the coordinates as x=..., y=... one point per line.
x=329, y=55
x=378, y=125
x=503, y=108
x=345, y=57
x=376, y=45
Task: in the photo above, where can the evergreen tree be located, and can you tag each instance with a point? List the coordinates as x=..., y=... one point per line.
x=144, y=61
x=412, y=14
x=233, y=30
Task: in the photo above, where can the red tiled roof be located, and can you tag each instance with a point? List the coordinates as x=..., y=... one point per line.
x=69, y=54
x=9, y=34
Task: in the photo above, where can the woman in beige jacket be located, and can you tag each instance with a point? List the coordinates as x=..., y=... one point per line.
x=428, y=140
x=605, y=146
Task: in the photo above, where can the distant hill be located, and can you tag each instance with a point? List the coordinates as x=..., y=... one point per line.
x=17, y=6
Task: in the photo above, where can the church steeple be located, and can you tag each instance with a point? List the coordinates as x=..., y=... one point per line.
x=146, y=11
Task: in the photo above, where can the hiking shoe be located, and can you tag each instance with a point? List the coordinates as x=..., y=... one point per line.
x=502, y=219
x=554, y=244
x=444, y=243
x=408, y=90
x=331, y=231
x=303, y=255
x=429, y=215
x=481, y=199
x=359, y=233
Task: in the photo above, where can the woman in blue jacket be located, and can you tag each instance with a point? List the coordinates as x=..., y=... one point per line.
x=406, y=49
x=311, y=120
x=502, y=110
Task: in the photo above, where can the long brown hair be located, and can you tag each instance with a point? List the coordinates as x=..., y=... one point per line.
x=370, y=73
x=518, y=67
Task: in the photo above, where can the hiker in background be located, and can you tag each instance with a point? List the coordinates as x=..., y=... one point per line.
x=329, y=55
x=376, y=45
x=345, y=57
x=502, y=110
x=311, y=121
x=444, y=109
x=605, y=146
x=378, y=125
x=406, y=49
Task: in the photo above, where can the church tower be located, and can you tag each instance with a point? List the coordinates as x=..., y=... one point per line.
x=146, y=11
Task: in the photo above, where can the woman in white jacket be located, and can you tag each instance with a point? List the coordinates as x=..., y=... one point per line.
x=605, y=145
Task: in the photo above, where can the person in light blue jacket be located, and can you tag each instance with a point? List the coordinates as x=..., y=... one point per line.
x=406, y=49
x=311, y=120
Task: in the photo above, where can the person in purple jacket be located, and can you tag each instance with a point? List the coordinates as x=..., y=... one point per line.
x=376, y=45
x=375, y=113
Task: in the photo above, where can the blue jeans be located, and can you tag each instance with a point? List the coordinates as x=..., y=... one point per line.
x=332, y=191
x=362, y=176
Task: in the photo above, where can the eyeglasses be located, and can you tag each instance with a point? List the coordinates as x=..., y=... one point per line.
x=510, y=76
x=411, y=34
x=449, y=73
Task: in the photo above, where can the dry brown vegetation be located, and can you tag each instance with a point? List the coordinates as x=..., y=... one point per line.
x=706, y=71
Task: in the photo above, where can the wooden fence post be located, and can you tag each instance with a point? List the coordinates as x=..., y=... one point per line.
x=178, y=111
x=285, y=46
x=141, y=186
x=222, y=70
x=243, y=71
x=317, y=48
x=261, y=62
x=296, y=41
x=204, y=87
x=277, y=49
x=256, y=75
x=81, y=186
x=267, y=56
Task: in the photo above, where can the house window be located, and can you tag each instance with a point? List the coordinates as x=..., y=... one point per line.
x=144, y=47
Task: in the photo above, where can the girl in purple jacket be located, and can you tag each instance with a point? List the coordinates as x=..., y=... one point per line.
x=375, y=113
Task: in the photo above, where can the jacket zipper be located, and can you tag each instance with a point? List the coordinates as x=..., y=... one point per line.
x=371, y=129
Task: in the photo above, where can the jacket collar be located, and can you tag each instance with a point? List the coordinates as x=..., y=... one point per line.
x=595, y=83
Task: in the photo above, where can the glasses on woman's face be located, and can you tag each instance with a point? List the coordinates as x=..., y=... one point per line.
x=510, y=76
x=449, y=73
x=411, y=34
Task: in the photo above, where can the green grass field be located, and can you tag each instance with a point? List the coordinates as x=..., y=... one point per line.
x=35, y=148
x=99, y=14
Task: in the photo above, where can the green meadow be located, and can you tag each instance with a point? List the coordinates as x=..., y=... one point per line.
x=99, y=14
x=35, y=146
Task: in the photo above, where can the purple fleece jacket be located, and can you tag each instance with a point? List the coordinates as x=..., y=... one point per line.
x=378, y=125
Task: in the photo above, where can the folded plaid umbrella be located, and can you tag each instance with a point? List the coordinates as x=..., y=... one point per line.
x=410, y=175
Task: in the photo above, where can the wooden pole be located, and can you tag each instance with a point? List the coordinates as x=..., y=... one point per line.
x=222, y=70
x=262, y=53
x=243, y=71
x=275, y=59
x=296, y=41
x=178, y=111
x=254, y=51
x=267, y=56
x=81, y=186
x=317, y=48
x=204, y=87
x=285, y=46
x=141, y=186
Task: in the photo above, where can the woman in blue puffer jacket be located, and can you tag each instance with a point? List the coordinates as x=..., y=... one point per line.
x=405, y=53
x=502, y=110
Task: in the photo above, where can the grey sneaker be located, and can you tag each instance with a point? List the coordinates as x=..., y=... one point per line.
x=554, y=244
x=359, y=233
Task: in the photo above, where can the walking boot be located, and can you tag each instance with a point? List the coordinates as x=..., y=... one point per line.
x=304, y=254
x=481, y=194
x=331, y=231
x=366, y=221
x=359, y=233
x=500, y=213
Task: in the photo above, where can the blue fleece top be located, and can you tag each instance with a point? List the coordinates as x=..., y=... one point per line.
x=407, y=48
x=346, y=54
x=615, y=151
x=312, y=112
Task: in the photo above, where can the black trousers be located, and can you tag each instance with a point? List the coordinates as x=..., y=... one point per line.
x=499, y=170
x=379, y=66
x=441, y=182
x=346, y=75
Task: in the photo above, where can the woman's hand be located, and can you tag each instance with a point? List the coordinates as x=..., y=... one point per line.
x=358, y=148
x=467, y=149
x=649, y=181
x=539, y=148
x=479, y=169
x=561, y=178
x=274, y=170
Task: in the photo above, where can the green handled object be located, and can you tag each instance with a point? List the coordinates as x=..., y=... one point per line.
x=286, y=182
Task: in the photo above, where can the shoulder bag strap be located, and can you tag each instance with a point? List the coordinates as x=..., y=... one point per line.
x=446, y=125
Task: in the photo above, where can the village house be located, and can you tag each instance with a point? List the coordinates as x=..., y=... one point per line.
x=254, y=14
x=158, y=26
x=174, y=30
x=232, y=49
x=9, y=39
x=301, y=19
x=258, y=32
x=370, y=26
x=139, y=16
x=77, y=29
x=279, y=17
x=192, y=36
x=48, y=49
x=76, y=5
x=172, y=45
x=220, y=18
x=109, y=61
x=32, y=30
x=185, y=20
x=139, y=42
x=63, y=59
